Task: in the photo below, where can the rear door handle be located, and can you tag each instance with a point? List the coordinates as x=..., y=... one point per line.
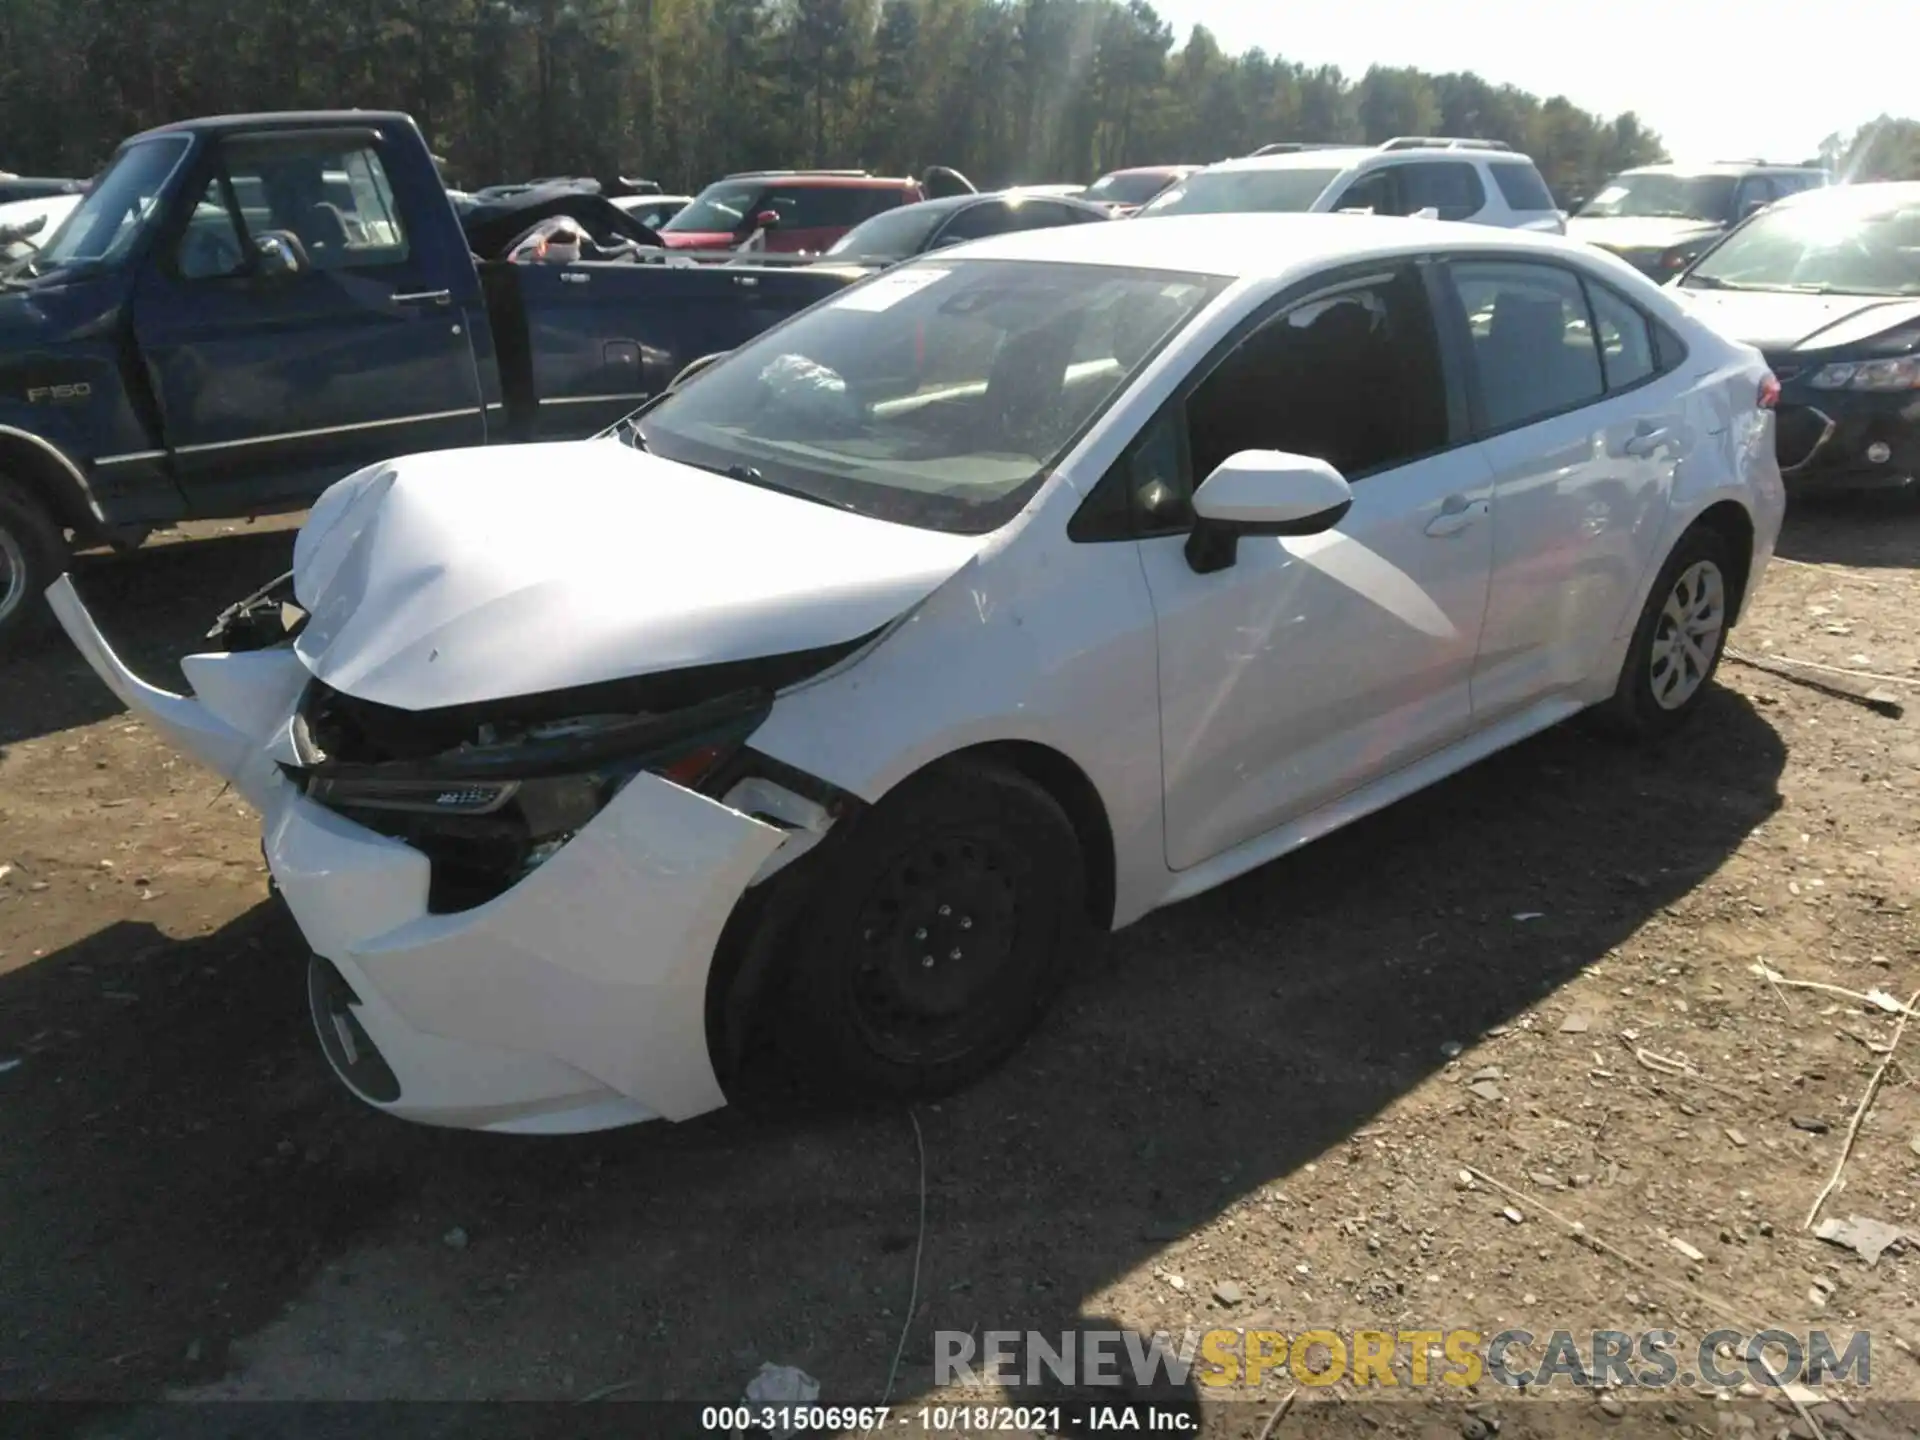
x=1645, y=441
x=423, y=297
x=1457, y=515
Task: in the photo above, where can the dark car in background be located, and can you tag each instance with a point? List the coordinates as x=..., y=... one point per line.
x=1659, y=217
x=1125, y=191
x=934, y=224
x=1826, y=285
x=796, y=211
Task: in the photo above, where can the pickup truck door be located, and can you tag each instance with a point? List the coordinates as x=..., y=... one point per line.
x=604, y=338
x=276, y=379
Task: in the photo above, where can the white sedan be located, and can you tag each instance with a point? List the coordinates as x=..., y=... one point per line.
x=1022, y=588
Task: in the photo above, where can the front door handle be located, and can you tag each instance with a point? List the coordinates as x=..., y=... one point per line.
x=1646, y=440
x=1457, y=516
x=423, y=297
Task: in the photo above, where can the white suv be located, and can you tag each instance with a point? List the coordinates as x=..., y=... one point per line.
x=1483, y=182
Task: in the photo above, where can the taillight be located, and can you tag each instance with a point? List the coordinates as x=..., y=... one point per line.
x=1769, y=391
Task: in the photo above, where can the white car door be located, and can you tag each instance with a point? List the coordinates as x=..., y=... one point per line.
x=1582, y=433
x=1312, y=665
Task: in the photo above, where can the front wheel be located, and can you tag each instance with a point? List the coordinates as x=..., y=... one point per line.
x=32, y=552
x=1677, y=645
x=938, y=936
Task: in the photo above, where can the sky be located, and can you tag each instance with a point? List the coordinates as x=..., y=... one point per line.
x=1717, y=81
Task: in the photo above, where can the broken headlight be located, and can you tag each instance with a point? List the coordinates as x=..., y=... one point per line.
x=490, y=810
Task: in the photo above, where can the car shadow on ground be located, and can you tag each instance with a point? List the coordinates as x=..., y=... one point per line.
x=1860, y=530
x=181, y=1171
x=154, y=606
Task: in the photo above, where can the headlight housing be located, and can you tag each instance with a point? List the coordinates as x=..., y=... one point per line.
x=490, y=810
x=1902, y=373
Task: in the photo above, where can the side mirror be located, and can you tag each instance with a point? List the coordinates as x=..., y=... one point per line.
x=1752, y=207
x=767, y=220
x=1262, y=492
x=1576, y=203
x=281, y=253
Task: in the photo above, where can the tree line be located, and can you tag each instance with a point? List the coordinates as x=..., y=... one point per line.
x=1007, y=91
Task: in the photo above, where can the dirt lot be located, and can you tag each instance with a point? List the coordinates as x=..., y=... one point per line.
x=1255, y=1109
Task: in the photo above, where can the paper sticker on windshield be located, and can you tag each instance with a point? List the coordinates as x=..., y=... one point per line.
x=887, y=291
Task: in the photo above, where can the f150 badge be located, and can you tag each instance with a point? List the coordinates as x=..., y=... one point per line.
x=58, y=394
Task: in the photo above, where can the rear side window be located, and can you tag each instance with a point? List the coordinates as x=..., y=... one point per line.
x=1626, y=342
x=1451, y=187
x=1521, y=186
x=1532, y=341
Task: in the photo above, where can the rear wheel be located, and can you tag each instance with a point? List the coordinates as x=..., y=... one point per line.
x=1677, y=645
x=937, y=938
x=32, y=551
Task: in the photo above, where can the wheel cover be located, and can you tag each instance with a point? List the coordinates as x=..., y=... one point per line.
x=936, y=937
x=1686, y=638
x=13, y=574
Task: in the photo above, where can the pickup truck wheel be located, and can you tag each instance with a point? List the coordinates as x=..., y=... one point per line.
x=32, y=552
x=938, y=937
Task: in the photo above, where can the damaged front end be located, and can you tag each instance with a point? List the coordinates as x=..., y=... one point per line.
x=514, y=906
x=489, y=792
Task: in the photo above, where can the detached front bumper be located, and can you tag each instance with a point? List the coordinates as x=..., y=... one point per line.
x=574, y=1001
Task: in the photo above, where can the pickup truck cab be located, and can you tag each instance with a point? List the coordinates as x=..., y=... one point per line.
x=243, y=309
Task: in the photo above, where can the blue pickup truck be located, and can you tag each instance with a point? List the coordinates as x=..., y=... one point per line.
x=241, y=310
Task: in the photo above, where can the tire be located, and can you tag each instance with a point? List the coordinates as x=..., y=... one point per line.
x=1677, y=644
x=33, y=552
x=881, y=998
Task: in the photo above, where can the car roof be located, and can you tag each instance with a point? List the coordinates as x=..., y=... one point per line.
x=1259, y=246
x=1721, y=167
x=801, y=179
x=1863, y=194
x=279, y=120
x=1339, y=157
x=1154, y=170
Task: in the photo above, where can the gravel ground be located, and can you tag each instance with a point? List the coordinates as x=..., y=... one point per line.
x=1261, y=1108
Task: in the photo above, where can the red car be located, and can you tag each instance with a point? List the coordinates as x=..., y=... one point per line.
x=800, y=210
x=1125, y=191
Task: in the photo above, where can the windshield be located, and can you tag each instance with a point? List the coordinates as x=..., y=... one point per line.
x=893, y=235
x=1843, y=245
x=1679, y=197
x=115, y=212
x=1127, y=187
x=1222, y=192
x=718, y=207
x=937, y=394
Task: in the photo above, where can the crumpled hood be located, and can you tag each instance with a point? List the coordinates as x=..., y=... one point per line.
x=1635, y=233
x=1777, y=320
x=473, y=575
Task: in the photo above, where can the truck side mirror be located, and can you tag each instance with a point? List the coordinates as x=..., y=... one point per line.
x=281, y=253
x=767, y=220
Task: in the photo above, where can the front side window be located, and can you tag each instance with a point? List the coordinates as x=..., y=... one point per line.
x=1532, y=342
x=723, y=206
x=1232, y=192
x=1450, y=187
x=1844, y=242
x=332, y=197
x=117, y=210
x=937, y=394
x=991, y=217
x=1352, y=378
x=1658, y=193
x=210, y=246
